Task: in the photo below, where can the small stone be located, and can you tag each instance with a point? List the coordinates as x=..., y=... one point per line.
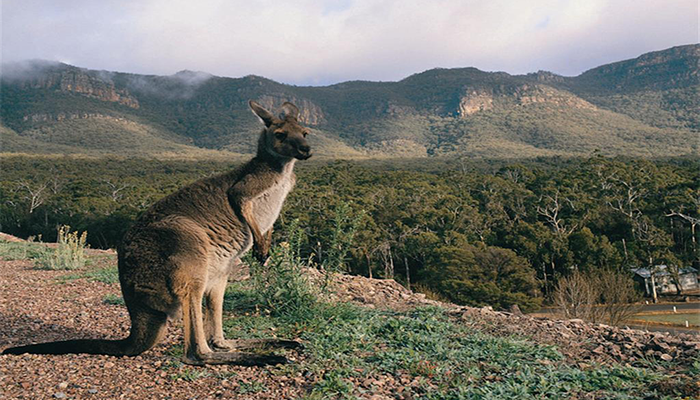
x=63, y=385
x=59, y=395
x=666, y=357
x=92, y=391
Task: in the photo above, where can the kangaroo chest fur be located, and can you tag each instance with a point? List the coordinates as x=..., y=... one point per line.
x=267, y=206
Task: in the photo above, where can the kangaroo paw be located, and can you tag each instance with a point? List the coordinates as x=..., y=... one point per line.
x=266, y=344
x=247, y=359
x=251, y=344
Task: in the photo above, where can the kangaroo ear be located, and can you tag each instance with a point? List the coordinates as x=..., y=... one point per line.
x=265, y=116
x=289, y=110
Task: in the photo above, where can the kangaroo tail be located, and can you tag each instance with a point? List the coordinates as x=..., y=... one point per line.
x=147, y=329
x=89, y=346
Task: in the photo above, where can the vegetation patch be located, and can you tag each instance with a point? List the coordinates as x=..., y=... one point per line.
x=350, y=351
x=108, y=274
x=473, y=232
x=11, y=251
x=432, y=355
x=68, y=254
x=113, y=299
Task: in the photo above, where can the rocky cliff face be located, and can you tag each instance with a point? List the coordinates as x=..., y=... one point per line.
x=63, y=116
x=77, y=81
x=474, y=101
x=478, y=100
x=533, y=94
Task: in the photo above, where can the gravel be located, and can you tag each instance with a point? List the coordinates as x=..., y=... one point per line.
x=36, y=306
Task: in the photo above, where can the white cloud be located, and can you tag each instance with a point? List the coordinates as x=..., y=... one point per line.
x=317, y=41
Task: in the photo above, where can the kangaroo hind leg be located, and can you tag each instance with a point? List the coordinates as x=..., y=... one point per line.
x=213, y=325
x=197, y=350
x=148, y=328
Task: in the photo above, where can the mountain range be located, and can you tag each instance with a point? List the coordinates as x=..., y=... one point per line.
x=648, y=106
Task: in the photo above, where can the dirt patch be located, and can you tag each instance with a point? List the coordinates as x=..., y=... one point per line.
x=35, y=306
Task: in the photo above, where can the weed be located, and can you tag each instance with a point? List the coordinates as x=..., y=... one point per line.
x=10, y=251
x=345, y=343
x=108, y=275
x=113, y=299
x=190, y=374
x=333, y=386
x=69, y=254
x=345, y=226
x=251, y=387
x=695, y=368
x=223, y=375
x=176, y=352
x=279, y=287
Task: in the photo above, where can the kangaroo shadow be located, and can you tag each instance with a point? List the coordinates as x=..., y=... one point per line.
x=22, y=330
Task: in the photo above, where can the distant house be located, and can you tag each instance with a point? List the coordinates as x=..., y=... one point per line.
x=664, y=280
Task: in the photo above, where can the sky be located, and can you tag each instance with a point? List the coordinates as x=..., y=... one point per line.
x=319, y=42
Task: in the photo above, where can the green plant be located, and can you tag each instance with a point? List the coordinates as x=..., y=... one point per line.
x=113, y=299
x=279, y=286
x=444, y=358
x=695, y=368
x=69, y=254
x=10, y=251
x=190, y=374
x=333, y=385
x=344, y=228
x=251, y=387
x=108, y=275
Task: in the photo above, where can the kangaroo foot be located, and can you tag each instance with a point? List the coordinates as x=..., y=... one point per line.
x=236, y=358
x=243, y=344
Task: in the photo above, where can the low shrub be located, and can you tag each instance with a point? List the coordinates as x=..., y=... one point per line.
x=69, y=254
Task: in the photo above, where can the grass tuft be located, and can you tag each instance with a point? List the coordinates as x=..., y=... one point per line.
x=113, y=299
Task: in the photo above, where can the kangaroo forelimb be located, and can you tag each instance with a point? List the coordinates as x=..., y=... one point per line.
x=261, y=246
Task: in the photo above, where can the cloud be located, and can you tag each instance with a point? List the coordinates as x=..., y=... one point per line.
x=325, y=41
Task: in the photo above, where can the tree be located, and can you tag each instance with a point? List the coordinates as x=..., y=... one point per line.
x=482, y=275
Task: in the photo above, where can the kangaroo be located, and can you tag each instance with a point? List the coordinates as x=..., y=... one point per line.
x=183, y=248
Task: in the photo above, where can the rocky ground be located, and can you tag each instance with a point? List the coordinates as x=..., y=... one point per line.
x=39, y=305
x=578, y=340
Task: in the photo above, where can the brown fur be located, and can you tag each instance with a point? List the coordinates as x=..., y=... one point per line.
x=182, y=250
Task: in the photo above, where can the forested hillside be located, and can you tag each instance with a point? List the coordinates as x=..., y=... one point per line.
x=644, y=107
x=473, y=232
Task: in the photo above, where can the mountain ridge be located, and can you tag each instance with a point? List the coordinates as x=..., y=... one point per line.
x=645, y=106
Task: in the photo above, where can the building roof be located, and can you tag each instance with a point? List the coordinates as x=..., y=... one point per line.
x=661, y=270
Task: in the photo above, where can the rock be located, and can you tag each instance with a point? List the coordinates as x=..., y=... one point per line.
x=666, y=357
x=63, y=385
x=662, y=345
x=59, y=395
x=92, y=391
x=515, y=310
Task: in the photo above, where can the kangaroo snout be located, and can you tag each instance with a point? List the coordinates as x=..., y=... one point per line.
x=304, y=152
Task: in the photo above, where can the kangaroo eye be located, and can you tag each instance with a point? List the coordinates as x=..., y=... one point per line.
x=280, y=135
x=305, y=133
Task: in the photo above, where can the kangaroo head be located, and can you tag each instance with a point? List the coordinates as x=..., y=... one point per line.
x=283, y=135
